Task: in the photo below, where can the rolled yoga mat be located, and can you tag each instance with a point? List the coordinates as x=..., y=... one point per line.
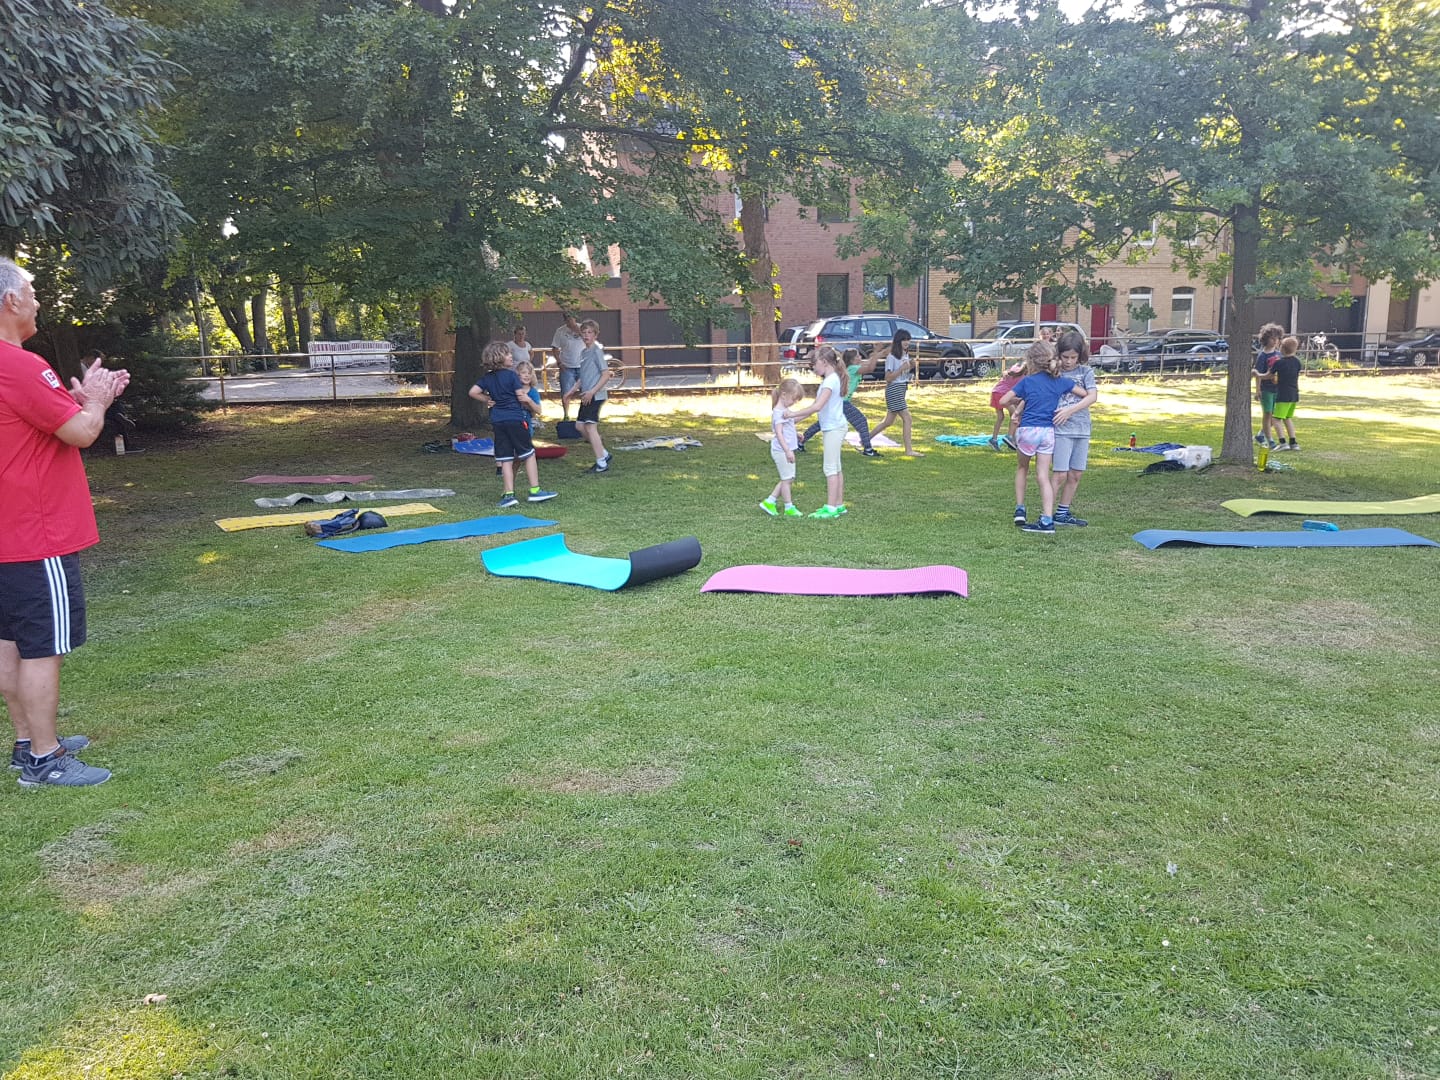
x=549, y=559
x=839, y=581
x=1422, y=504
x=1303, y=538
x=353, y=496
x=454, y=530
x=327, y=478
x=269, y=521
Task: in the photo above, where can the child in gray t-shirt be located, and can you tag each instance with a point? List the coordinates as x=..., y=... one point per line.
x=1072, y=425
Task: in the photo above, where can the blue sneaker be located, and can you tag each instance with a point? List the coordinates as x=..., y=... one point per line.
x=20, y=755
x=1070, y=519
x=1019, y=515
x=508, y=501
x=1041, y=526
x=540, y=496
x=60, y=770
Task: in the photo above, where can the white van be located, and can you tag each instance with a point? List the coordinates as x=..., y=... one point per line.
x=1010, y=340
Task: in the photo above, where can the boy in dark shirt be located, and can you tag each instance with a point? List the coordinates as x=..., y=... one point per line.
x=1286, y=373
x=502, y=390
x=1270, y=335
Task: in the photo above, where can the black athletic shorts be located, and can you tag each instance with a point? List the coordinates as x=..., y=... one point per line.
x=42, y=606
x=589, y=414
x=512, y=440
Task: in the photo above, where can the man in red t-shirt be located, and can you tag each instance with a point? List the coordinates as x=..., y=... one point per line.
x=49, y=518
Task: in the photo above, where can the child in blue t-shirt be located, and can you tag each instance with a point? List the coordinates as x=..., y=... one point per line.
x=526, y=371
x=1038, y=395
x=501, y=389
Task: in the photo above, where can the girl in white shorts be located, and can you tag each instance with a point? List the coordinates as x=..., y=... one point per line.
x=830, y=405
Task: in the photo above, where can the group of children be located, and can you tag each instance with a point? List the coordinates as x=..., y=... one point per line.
x=1049, y=399
x=507, y=386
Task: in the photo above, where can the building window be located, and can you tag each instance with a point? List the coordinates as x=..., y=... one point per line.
x=878, y=293
x=832, y=213
x=1140, y=313
x=1146, y=237
x=832, y=295
x=1011, y=309
x=1182, y=308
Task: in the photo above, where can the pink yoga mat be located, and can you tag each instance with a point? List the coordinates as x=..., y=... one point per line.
x=838, y=581
x=328, y=478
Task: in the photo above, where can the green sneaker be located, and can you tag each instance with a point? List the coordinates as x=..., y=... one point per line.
x=793, y=511
x=768, y=505
x=825, y=513
x=841, y=509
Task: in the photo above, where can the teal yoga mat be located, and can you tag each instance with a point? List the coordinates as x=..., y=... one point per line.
x=455, y=530
x=549, y=559
x=1155, y=538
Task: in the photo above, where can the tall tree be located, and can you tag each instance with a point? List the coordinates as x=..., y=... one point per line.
x=769, y=98
x=1282, y=144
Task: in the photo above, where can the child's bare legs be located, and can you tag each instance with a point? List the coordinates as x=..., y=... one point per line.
x=1047, y=485
x=532, y=472
x=781, y=495
x=507, y=475
x=1289, y=428
x=999, y=416
x=592, y=433
x=889, y=419
x=835, y=489
x=905, y=433
x=1014, y=424
x=1022, y=477
x=1066, y=484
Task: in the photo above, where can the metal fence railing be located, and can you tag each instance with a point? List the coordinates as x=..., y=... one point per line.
x=287, y=376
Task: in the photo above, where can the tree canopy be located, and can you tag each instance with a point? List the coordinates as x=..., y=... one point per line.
x=79, y=165
x=1284, y=144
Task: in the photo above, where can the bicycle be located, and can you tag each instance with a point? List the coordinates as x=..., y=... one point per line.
x=1319, y=349
x=617, y=372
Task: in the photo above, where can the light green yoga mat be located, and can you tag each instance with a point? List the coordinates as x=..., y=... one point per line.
x=1423, y=504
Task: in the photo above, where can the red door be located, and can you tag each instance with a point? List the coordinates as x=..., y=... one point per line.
x=1099, y=326
x=1049, y=312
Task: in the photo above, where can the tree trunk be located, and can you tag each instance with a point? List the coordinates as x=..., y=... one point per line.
x=202, y=320
x=437, y=338
x=465, y=411
x=287, y=310
x=760, y=293
x=1237, y=446
x=261, y=332
x=304, y=331
x=234, y=316
x=329, y=328
x=359, y=322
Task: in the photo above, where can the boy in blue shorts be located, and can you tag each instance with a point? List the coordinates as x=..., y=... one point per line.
x=500, y=387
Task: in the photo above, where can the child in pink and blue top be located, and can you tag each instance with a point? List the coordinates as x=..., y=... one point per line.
x=1039, y=395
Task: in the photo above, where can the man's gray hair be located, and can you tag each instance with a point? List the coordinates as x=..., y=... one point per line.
x=13, y=279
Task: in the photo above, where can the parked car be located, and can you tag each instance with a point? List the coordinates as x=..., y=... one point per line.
x=937, y=354
x=1009, y=340
x=790, y=346
x=1170, y=350
x=1418, y=347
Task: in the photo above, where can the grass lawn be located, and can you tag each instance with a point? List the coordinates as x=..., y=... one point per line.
x=1121, y=813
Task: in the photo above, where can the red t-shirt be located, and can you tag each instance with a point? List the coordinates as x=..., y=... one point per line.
x=45, y=507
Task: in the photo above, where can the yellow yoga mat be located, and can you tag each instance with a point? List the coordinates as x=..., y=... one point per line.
x=265, y=521
x=1423, y=504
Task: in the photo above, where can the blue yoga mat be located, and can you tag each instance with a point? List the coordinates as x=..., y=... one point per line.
x=455, y=530
x=1154, y=538
x=548, y=558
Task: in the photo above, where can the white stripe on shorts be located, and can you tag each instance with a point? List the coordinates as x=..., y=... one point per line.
x=59, y=603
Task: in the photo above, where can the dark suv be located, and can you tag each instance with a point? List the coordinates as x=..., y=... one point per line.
x=1171, y=350
x=947, y=357
x=1418, y=347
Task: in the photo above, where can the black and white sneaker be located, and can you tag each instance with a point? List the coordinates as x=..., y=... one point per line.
x=1041, y=526
x=1070, y=519
x=603, y=465
x=1019, y=515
